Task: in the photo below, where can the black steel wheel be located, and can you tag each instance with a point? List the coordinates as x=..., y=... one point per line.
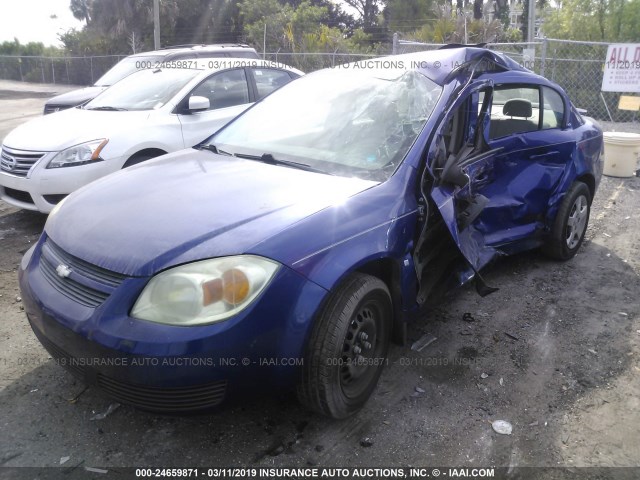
x=348, y=347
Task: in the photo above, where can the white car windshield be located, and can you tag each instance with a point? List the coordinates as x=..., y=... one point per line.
x=342, y=122
x=126, y=67
x=144, y=90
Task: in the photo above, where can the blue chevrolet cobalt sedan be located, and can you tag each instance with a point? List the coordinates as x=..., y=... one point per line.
x=290, y=248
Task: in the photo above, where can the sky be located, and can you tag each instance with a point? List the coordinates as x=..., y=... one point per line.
x=30, y=20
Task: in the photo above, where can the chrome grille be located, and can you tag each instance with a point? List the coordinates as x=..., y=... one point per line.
x=74, y=288
x=18, y=162
x=95, y=273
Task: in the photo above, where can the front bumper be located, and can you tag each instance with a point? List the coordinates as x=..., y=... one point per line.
x=43, y=188
x=174, y=369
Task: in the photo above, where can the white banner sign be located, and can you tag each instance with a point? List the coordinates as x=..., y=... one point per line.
x=622, y=68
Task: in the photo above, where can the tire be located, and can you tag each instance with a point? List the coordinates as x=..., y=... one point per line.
x=348, y=347
x=570, y=224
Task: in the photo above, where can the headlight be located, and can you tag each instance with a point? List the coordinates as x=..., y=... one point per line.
x=79, y=154
x=204, y=292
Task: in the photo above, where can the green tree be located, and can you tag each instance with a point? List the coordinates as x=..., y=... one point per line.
x=459, y=27
x=408, y=15
x=289, y=28
x=368, y=11
x=594, y=20
x=81, y=9
x=502, y=12
x=206, y=21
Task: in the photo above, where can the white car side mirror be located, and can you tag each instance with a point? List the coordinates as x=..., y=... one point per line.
x=197, y=104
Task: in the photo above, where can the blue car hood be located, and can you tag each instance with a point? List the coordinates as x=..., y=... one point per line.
x=187, y=206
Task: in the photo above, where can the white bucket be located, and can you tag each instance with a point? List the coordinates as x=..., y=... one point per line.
x=621, y=151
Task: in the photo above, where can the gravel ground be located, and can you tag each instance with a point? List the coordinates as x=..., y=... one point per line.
x=555, y=352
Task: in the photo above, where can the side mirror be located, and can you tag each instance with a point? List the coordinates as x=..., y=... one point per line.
x=198, y=104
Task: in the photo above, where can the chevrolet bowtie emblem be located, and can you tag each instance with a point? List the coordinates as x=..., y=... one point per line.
x=63, y=271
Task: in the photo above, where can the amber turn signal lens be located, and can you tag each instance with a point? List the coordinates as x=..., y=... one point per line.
x=211, y=292
x=96, y=154
x=235, y=286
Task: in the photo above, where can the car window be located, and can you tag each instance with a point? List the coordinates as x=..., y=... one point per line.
x=269, y=79
x=212, y=54
x=224, y=89
x=553, y=112
x=514, y=110
x=243, y=54
x=143, y=90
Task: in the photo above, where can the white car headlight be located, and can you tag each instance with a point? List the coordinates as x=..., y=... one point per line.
x=204, y=292
x=79, y=154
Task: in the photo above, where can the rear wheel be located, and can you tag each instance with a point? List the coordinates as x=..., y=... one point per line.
x=348, y=347
x=571, y=222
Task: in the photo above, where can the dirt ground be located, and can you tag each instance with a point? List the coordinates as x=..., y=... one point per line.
x=556, y=352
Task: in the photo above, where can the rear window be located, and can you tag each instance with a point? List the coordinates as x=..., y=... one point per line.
x=514, y=110
x=553, y=113
x=243, y=54
x=269, y=79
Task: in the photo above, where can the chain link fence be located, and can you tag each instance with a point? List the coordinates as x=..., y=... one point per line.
x=65, y=70
x=576, y=66
x=309, y=62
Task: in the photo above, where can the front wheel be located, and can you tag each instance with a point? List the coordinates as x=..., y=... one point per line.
x=139, y=158
x=348, y=347
x=571, y=222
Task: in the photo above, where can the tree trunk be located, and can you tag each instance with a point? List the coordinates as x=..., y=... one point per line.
x=477, y=9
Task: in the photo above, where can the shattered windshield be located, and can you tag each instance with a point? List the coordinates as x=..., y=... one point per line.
x=343, y=122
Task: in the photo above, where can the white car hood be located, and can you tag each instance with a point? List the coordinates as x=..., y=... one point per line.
x=57, y=131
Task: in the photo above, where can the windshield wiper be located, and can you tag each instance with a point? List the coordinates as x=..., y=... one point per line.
x=107, y=108
x=268, y=158
x=212, y=148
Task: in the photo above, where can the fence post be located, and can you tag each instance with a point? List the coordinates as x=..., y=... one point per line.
x=53, y=72
x=394, y=48
x=543, y=56
x=42, y=70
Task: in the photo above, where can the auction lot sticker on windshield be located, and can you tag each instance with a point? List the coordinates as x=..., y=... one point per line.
x=622, y=68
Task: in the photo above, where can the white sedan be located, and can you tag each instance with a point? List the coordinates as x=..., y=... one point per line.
x=148, y=114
